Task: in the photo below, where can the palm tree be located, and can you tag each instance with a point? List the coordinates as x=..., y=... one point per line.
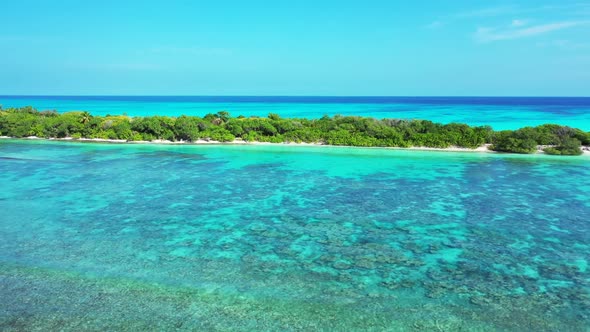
x=85, y=117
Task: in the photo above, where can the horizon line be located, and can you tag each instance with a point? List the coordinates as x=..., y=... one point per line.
x=296, y=96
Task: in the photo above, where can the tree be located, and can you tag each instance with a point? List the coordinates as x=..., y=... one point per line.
x=85, y=117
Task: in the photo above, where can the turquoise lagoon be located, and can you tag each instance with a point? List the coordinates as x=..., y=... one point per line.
x=499, y=112
x=288, y=238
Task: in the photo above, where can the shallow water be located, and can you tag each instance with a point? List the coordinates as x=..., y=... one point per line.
x=128, y=237
x=498, y=112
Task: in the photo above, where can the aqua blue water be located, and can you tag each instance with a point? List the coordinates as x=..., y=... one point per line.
x=269, y=238
x=500, y=113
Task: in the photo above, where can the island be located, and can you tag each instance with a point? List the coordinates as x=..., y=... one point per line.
x=555, y=139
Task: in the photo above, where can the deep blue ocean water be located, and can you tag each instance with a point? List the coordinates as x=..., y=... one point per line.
x=289, y=238
x=498, y=112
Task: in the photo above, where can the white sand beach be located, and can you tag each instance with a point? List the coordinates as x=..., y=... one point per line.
x=482, y=149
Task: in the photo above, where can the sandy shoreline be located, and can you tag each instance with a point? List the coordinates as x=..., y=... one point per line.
x=481, y=149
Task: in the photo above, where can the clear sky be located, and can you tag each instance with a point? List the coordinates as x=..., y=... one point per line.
x=303, y=47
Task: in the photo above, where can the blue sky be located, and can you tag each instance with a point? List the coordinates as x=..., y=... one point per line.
x=532, y=48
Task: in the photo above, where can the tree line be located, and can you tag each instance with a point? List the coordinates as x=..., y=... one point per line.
x=336, y=130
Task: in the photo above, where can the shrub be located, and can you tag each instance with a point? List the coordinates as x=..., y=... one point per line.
x=568, y=147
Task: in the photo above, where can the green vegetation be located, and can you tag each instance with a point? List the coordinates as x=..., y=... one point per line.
x=561, y=140
x=568, y=146
x=337, y=130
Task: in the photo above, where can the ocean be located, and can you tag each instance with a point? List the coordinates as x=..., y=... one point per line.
x=499, y=112
x=290, y=238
